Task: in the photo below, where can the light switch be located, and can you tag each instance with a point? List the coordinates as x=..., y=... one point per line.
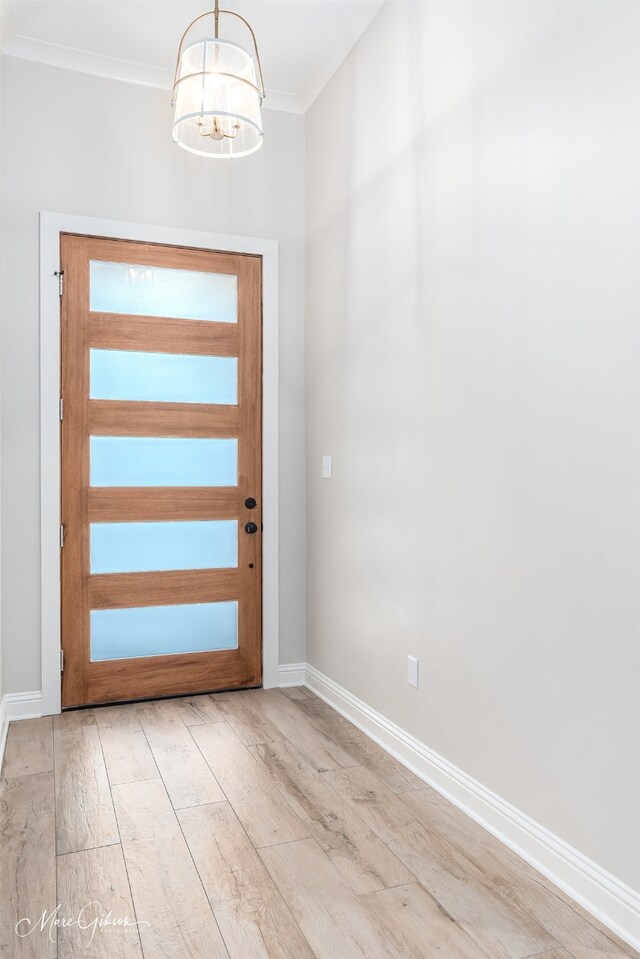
x=326, y=467
x=413, y=671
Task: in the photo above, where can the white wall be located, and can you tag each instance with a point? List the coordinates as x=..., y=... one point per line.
x=79, y=144
x=473, y=240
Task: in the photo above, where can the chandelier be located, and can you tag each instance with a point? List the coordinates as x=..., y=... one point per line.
x=218, y=91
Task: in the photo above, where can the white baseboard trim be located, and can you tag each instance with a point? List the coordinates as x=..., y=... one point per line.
x=17, y=706
x=291, y=674
x=4, y=729
x=615, y=904
x=23, y=705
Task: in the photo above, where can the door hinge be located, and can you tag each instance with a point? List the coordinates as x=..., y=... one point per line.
x=61, y=409
x=62, y=536
x=62, y=660
x=60, y=275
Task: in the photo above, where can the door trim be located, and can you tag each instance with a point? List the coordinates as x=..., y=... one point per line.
x=51, y=226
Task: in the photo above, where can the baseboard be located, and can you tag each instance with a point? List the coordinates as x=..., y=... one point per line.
x=4, y=729
x=615, y=904
x=17, y=706
x=610, y=901
x=291, y=674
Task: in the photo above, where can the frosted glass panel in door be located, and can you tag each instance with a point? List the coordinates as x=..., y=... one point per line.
x=158, y=291
x=163, y=630
x=162, y=461
x=163, y=377
x=143, y=547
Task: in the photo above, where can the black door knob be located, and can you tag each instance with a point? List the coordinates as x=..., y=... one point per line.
x=250, y=503
x=250, y=528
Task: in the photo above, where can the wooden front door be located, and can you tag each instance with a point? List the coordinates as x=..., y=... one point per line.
x=161, y=470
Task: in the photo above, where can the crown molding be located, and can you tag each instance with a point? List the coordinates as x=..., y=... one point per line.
x=332, y=56
x=284, y=102
x=109, y=68
x=81, y=61
x=18, y=45
x=15, y=44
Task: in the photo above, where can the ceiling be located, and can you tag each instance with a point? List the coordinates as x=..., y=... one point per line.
x=301, y=42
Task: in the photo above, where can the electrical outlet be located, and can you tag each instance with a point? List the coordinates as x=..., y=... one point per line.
x=413, y=671
x=326, y=467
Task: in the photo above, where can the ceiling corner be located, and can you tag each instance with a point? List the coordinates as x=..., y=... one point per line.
x=284, y=102
x=81, y=51
x=340, y=46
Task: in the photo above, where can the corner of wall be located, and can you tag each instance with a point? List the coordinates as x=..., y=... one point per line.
x=601, y=894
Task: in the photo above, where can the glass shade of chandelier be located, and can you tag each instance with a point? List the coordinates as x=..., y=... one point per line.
x=217, y=91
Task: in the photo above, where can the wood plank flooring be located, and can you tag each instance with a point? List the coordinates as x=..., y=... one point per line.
x=254, y=825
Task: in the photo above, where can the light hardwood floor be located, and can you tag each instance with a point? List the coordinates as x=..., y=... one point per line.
x=254, y=825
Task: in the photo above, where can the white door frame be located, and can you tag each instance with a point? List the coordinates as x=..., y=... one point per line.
x=51, y=226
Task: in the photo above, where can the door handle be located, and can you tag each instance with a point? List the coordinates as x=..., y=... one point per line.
x=250, y=528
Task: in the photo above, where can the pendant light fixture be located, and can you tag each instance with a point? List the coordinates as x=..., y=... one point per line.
x=217, y=91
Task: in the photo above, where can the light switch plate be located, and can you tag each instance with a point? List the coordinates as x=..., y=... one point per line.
x=412, y=676
x=326, y=467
